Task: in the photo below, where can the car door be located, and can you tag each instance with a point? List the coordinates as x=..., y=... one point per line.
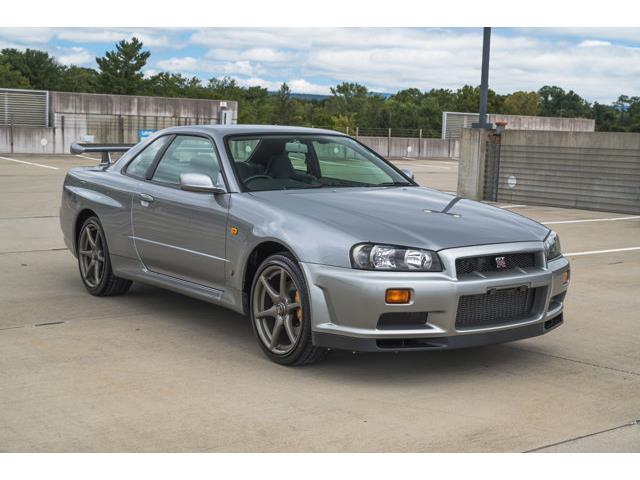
x=181, y=233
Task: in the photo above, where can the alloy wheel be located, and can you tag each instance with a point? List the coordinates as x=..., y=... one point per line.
x=277, y=310
x=91, y=255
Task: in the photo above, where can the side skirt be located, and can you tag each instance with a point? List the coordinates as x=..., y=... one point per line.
x=132, y=269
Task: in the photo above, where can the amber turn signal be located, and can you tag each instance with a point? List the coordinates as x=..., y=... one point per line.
x=397, y=295
x=566, y=276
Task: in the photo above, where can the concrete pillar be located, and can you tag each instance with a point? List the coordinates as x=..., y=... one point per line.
x=471, y=167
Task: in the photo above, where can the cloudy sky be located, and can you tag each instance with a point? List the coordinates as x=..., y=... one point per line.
x=598, y=63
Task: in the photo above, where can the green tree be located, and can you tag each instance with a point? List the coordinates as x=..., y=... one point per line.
x=121, y=69
x=555, y=102
x=39, y=68
x=10, y=77
x=283, y=106
x=79, y=79
x=521, y=103
x=166, y=84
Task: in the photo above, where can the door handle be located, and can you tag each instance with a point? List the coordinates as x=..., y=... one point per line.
x=145, y=199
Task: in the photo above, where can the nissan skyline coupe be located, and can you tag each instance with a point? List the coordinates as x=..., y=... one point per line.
x=319, y=240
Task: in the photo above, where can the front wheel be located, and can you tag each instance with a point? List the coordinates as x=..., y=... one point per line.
x=280, y=312
x=94, y=262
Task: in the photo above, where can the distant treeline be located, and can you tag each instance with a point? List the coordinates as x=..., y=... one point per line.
x=349, y=105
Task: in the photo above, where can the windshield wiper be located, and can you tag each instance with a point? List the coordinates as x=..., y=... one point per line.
x=391, y=184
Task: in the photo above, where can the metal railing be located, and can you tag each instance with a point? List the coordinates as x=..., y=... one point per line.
x=385, y=132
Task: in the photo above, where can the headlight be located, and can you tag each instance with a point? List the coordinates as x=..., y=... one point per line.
x=552, y=246
x=367, y=256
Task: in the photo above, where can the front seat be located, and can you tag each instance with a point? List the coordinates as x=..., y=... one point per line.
x=280, y=166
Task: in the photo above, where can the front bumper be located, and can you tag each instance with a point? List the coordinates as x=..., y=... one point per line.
x=346, y=304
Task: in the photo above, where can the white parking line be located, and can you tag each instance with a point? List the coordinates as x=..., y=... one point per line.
x=587, y=220
x=88, y=158
x=512, y=206
x=594, y=252
x=426, y=166
x=29, y=163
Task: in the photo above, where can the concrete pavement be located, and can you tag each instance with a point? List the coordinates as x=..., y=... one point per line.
x=156, y=371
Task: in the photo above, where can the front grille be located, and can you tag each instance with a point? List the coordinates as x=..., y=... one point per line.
x=495, y=263
x=496, y=307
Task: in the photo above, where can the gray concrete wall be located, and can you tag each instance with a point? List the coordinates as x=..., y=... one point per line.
x=523, y=122
x=585, y=170
x=454, y=122
x=593, y=171
x=29, y=140
x=108, y=118
x=94, y=103
x=408, y=147
x=471, y=166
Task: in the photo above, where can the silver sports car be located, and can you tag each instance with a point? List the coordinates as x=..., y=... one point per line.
x=319, y=240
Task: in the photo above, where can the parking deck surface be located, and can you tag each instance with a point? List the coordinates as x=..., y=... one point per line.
x=156, y=371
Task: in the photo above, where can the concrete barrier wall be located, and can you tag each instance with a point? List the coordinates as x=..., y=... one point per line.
x=407, y=147
x=58, y=140
x=593, y=171
x=524, y=122
x=100, y=104
x=585, y=170
x=109, y=118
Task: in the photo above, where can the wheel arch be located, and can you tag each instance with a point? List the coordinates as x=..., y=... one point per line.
x=80, y=219
x=259, y=253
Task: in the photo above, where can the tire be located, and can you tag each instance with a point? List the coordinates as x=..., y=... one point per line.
x=97, y=277
x=294, y=322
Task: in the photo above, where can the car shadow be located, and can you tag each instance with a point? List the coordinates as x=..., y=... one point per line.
x=384, y=367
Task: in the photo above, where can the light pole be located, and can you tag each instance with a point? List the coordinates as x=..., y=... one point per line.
x=484, y=80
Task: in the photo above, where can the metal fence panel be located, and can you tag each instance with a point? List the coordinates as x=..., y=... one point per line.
x=24, y=108
x=592, y=178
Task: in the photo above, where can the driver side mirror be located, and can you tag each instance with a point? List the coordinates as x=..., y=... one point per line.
x=408, y=172
x=199, y=182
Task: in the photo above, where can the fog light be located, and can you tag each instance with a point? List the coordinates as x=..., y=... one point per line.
x=397, y=295
x=565, y=276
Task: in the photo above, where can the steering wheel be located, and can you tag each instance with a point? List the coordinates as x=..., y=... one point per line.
x=256, y=177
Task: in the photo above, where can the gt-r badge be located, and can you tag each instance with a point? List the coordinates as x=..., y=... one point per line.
x=501, y=262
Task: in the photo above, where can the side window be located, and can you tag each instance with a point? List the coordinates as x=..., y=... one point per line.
x=138, y=166
x=243, y=149
x=188, y=155
x=298, y=161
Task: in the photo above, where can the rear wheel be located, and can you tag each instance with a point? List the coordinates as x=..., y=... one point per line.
x=280, y=312
x=94, y=262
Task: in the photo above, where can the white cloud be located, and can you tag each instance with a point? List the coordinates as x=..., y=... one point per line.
x=598, y=63
x=241, y=68
x=594, y=43
x=267, y=55
x=75, y=56
x=300, y=85
x=179, y=64
x=611, y=33
x=149, y=37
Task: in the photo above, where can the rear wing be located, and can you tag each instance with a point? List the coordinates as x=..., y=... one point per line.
x=104, y=148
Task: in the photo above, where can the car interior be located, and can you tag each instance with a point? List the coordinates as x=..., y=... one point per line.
x=276, y=163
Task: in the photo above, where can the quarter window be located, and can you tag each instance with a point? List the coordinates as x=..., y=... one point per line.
x=139, y=165
x=188, y=155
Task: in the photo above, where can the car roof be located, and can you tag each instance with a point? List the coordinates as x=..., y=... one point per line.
x=221, y=130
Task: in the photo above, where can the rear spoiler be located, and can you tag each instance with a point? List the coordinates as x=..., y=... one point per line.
x=104, y=148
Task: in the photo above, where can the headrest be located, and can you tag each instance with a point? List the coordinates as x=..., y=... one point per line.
x=296, y=147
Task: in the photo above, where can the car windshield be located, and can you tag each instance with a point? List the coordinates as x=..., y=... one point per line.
x=280, y=162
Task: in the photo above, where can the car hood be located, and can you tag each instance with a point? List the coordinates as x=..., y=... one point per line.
x=407, y=216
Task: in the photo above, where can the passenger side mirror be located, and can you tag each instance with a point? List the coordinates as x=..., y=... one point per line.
x=408, y=172
x=199, y=182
